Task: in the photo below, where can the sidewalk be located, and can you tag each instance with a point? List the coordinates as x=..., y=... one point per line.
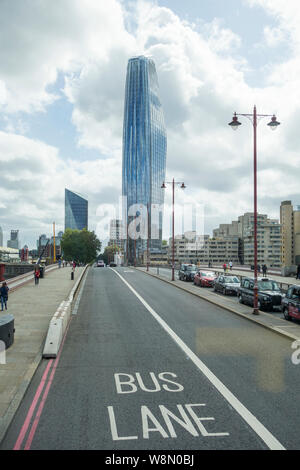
x=32, y=306
x=290, y=330
x=277, y=277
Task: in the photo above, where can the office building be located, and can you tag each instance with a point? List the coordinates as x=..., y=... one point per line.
x=144, y=150
x=290, y=243
x=14, y=239
x=115, y=233
x=76, y=211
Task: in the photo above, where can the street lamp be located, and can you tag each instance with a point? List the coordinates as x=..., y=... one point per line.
x=182, y=186
x=234, y=124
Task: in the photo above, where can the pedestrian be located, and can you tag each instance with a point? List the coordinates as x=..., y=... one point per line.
x=264, y=270
x=74, y=265
x=224, y=267
x=298, y=271
x=36, y=276
x=4, y=295
x=230, y=265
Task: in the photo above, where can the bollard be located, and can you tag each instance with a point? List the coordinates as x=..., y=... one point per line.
x=72, y=275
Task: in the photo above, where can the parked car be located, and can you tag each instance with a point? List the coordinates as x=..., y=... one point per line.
x=100, y=264
x=187, y=272
x=227, y=285
x=269, y=293
x=204, y=278
x=290, y=304
x=112, y=264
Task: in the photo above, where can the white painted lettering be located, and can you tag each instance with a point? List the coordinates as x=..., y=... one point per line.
x=129, y=383
x=198, y=420
x=146, y=414
x=154, y=379
x=179, y=387
x=113, y=427
x=185, y=423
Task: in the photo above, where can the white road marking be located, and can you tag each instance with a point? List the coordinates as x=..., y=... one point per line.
x=250, y=419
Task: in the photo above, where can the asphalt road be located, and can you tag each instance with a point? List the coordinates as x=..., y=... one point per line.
x=147, y=366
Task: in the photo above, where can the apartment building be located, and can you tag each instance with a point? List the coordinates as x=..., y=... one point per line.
x=268, y=238
x=202, y=249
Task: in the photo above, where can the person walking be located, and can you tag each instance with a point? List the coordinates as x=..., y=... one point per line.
x=224, y=267
x=264, y=270
x=4, y=295
x=36, y=276
x=230, y=265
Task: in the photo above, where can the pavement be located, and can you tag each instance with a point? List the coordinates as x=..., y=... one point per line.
x=277, y=277
x=290, y=330
x=32, y=306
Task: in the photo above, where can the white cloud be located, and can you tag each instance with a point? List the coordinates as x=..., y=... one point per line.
x=201, y=84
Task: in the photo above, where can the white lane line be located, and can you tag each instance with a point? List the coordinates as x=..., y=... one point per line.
x=250, y=419
x=75, y=309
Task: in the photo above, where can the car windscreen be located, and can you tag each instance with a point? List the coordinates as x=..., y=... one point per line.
x=207, y=274
x=191, y=268
x=268, y=285
x=232, y=280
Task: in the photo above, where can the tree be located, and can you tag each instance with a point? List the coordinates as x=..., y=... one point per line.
x=109, y=253
x=81, y=246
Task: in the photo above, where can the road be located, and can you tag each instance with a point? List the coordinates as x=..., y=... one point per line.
x=167, y=273
x=147, y=366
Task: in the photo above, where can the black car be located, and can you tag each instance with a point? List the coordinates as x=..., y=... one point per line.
x=187, y=272
x=227, y=285
x=269, y=293
x=290, y=304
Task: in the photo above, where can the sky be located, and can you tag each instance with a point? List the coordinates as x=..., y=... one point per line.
x=62, y=81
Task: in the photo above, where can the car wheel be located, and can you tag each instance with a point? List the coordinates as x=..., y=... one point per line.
x=241, y=299
x=224, y=291
x=286, y=314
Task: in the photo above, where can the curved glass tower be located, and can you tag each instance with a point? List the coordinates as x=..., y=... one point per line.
x=76, y=211
x=144, y=147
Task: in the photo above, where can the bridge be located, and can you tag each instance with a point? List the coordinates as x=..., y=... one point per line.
x=146, y=363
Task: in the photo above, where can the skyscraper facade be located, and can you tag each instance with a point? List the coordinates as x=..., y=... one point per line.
x=14, y=239
x=76, y=211
x=144, y=147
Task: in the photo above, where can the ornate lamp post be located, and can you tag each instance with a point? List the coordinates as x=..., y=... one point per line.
x=173, y=204
x=234, y=124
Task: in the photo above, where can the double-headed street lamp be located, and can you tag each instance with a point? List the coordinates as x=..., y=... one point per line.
x=273, y=125
x=182, y=185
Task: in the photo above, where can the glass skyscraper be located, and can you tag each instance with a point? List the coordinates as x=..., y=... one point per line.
x=144, y=146
x=76, y=211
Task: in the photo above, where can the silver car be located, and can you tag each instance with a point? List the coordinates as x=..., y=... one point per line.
x=227, y=285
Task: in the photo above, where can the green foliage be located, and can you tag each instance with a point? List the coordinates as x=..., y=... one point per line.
x=81, y=246
x=109, y=252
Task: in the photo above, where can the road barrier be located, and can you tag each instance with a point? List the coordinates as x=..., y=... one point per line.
x=59, y=322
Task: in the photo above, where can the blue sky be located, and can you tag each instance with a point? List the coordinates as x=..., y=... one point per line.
x=62, y=83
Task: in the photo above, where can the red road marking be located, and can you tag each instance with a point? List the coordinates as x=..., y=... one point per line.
x=32, y=407
x=35, y=400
